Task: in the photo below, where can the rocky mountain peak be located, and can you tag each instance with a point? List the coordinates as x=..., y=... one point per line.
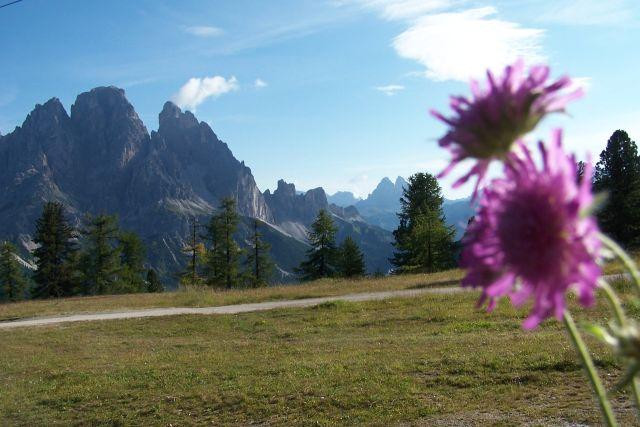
x=43, y=118
x=109, y=129
x=400, y=182
x=285, y=189
x=172, y=117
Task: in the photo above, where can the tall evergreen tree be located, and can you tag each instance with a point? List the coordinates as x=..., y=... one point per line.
x=153, y=282
x=258, y=265
x=224, y=256
x=618, y=173
x=101, y=264
x=54, y=254
x=195, y=250
x=351, y=259
x=423, y=241
x=322, y=256
x=13, y=282
x=132, y=257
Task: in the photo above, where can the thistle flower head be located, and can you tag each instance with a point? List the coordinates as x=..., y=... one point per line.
x=486, y=126
x=530, y=238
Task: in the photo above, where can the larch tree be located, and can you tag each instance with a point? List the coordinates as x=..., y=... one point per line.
x=322, y=256
x=13, y=282
x=351, y=259
x=258, y=265
x=54, y=254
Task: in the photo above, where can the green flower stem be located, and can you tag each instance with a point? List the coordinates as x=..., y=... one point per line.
x=622, y=321
x=587, y=362
x=614, y=301
x=624, y=257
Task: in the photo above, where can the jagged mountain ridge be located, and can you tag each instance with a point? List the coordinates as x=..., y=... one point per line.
x=102, y=159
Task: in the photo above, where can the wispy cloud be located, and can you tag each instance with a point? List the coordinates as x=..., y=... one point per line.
x=406, y=9
x=462, y=45
x=589, y=12
x=203, y=31
x=196, y=90
x=259, y=83
x=389, y=90
x=453, y=43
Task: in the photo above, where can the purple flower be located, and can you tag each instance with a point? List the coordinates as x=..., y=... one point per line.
x=485, y=127
x=530, y=237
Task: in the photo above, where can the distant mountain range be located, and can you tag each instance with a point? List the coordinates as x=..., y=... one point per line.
x=380, y=208
x=100, y=158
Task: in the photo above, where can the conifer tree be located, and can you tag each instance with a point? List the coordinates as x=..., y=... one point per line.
x=132, y=257
x=322, y=256
x=195, y=251
x=101, y=265
x=258, y=265
x=153, y=282
x=351, y=261
x=618, y=173
x=224, y=256
x=13, y=282
x=423, y=241
x=55, y=254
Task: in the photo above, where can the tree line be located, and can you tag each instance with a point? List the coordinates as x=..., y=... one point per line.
x=216, y=259
x=97, y=259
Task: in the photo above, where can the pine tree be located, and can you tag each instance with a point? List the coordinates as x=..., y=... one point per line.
x=321, y=257
x=194, y=249
x=101, y=255
x=423, y=241
x=618, y=173
x=54, y=254
x=258, y=265
x=351, y=262
x=12, y=279
x=132, y=256
x=153, y=282
x=224, y=256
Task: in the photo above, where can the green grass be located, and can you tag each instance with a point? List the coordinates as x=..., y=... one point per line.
x=427, y=360
x=210, y=297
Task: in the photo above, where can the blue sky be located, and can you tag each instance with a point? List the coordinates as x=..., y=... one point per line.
x=331, y=93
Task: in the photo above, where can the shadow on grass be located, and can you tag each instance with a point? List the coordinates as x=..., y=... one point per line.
x=435, y=284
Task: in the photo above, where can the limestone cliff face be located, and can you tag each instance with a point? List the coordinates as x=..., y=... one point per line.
x=101, y=158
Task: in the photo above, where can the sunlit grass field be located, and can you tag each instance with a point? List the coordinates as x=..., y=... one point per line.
x=203, y=297
x=429, y=360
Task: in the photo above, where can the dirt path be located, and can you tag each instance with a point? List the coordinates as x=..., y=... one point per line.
x=225, y=309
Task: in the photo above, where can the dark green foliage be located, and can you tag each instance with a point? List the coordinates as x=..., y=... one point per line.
x=351, y=259
x=322, y=256
x=423, y=240
x=224, y=254
x=55, y=275
x=132, y=258
x=258, y=264
x=100, y=260
x=153, y=282
x=618, y=173
x=12, y=279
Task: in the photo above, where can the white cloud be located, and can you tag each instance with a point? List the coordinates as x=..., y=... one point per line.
x=196, y=90
x=462, y=45
x=389, y=90
x=589, y=12
x=259, y=83
x=203, y=31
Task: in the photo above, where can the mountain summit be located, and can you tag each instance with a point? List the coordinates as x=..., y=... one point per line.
x=102, y=159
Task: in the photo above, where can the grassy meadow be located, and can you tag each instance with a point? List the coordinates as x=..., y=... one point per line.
x=429, y=360
x=204, y=297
